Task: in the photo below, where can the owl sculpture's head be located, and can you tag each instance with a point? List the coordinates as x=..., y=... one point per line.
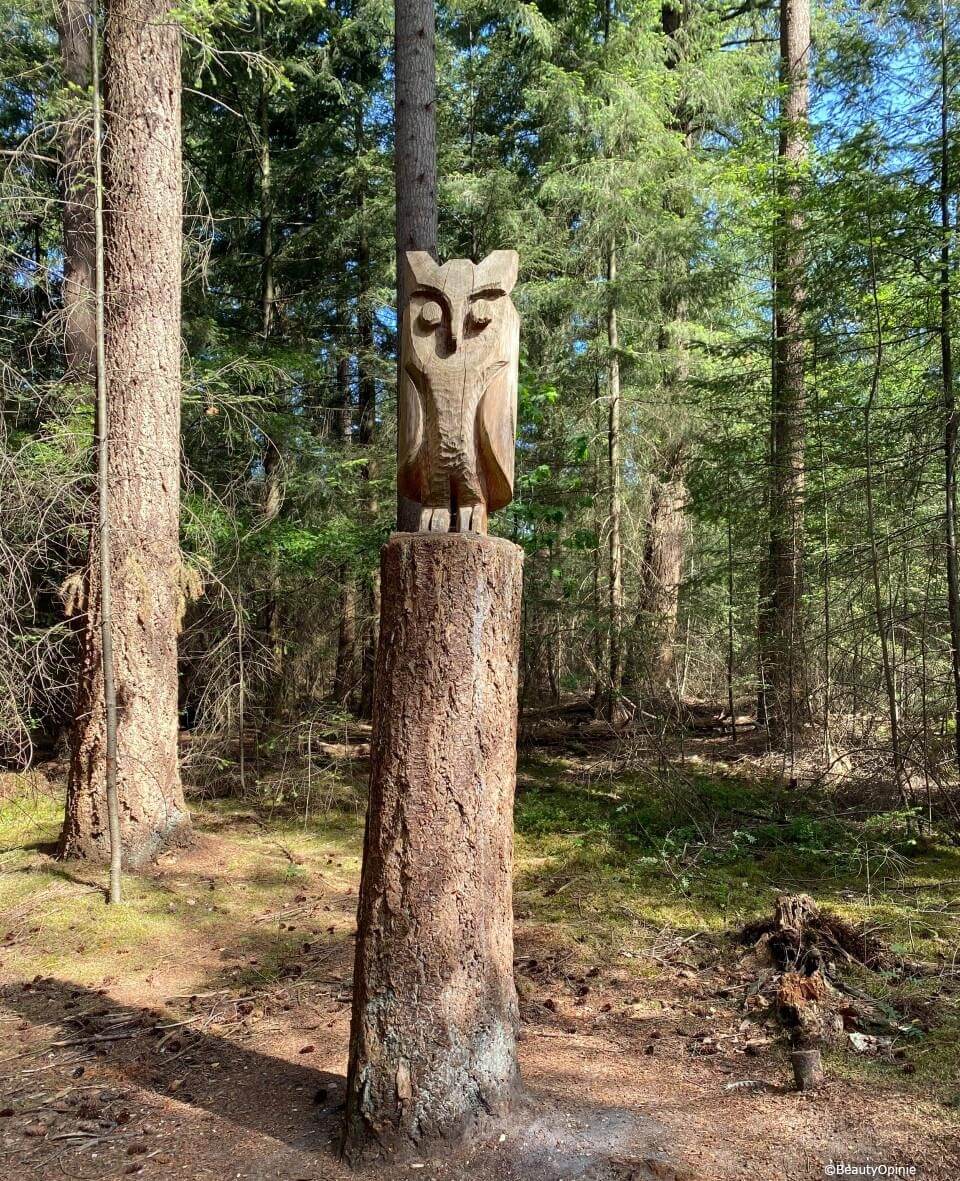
x=462, y=309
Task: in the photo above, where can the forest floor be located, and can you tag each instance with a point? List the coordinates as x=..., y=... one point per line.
x=200, y=1030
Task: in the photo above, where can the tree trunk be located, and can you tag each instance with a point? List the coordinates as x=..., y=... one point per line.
x=366, y=433
x=599, y=637
x=75, y=26
x=142, y=242
x=267, y=284
x=615, y=710
x=272, y=625
x=343, y=684
x=785, y=657
x=952, y=419
x=273, y=487
x=433, y=1036
x=415, y=148
x=879, y=607
x=662, y=575
x=344, y=676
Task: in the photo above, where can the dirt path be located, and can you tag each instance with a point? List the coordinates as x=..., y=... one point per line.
x=184, y=1069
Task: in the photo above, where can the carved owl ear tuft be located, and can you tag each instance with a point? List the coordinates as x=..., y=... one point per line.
x=421, y=269
x=498, y=270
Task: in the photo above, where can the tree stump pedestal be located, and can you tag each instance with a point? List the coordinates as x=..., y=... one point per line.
x=433, y=1035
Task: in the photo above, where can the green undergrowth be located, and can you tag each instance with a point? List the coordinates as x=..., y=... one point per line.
x=607, y=862
x=702, y=852
x=236, y=909
x=617, y=862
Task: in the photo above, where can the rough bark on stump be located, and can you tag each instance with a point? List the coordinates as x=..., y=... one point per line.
x=433, y=1036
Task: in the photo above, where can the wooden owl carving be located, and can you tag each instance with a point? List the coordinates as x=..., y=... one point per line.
x=460, y=344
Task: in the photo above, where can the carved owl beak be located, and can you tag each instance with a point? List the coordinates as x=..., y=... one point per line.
x=456, y=325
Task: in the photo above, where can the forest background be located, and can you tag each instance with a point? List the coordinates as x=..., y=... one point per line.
x=634, y=155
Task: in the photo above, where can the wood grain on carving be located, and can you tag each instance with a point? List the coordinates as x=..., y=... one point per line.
x=458, y=390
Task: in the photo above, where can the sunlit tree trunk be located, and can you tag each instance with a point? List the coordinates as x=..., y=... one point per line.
x=267, y=284
x=433, y=1033
x=784, y=639
x=142, y=243
x=615, y=663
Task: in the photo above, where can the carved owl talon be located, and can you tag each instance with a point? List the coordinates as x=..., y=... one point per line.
x=460, y=349
x=472, y=519
x=440, y=520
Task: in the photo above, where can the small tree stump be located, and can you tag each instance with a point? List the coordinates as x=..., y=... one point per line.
x=807, y=1069
x=433, y=1034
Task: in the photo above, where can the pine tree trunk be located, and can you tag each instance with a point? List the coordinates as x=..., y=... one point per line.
x=415, y=138
x=615, y=709
x=433, y=1035
x=272, y=623
x=345, y=674
x=951, y=416
x=416, y=128
x=343, y=684
x=785, y=659
x=662, y=575
x=273, y=488
x=366, y=434
x=142, y=242
x=75, y=24
x=267, y=283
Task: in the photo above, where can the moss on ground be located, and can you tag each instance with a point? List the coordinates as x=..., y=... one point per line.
x=604, y=860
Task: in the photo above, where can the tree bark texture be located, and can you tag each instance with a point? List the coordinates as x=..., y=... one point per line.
x=661, y=579
x=951, y=416
x=75, y=27
x=366, y=433
x=345, y=675
x=344, y=682
x=142, y=243
x=415, y=150
x=615, y=669
x=415, y=129
x=785, y=673
x=433, y=1036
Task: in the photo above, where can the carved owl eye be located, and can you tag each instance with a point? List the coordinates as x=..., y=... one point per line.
x=481, y=313
x=431, y=314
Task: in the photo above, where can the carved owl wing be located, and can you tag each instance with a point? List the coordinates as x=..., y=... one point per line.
x=498, y=410
x=409, y=439
x=421, y=271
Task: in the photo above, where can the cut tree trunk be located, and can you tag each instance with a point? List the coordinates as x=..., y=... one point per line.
x=142, y=242
x=433, y=1036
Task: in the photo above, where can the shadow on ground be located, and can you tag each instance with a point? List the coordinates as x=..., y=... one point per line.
x=145, y=1080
